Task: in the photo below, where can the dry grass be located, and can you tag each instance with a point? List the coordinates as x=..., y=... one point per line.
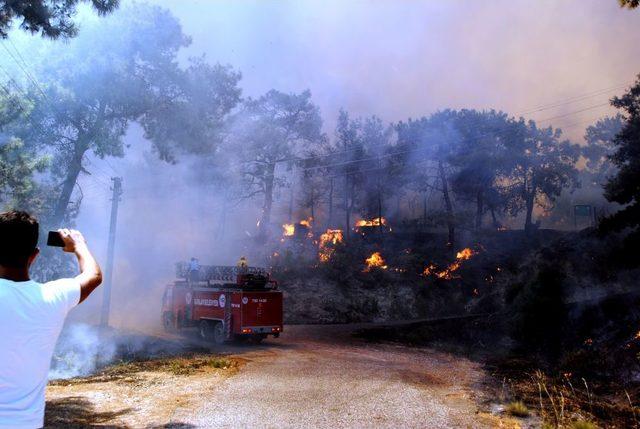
x=582, y=424
x=517, y=409
x=181, y=365
x=572, y=403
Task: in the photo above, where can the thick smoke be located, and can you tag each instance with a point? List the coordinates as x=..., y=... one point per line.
x=392, y=59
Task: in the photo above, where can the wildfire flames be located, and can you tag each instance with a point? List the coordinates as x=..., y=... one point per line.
x=328, y=239
x=375, y=261
x=372, y=222
x=289, y=229
x=447, y=274
x=464, y=254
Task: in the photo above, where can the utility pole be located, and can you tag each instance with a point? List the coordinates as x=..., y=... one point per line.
x=106, y=295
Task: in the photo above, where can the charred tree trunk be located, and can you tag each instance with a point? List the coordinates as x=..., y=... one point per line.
x=449, y=207
x=479, y=209
x=268, y=199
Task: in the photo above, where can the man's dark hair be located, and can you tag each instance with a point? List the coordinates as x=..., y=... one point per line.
x=18, y=238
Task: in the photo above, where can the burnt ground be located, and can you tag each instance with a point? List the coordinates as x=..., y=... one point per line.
x=313, y=376
x=582, y=386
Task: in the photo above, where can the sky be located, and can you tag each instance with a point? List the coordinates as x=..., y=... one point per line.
x=400, y=59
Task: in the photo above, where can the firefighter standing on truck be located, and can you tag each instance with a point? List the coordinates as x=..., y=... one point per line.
x=242, y=265
x=194, y=270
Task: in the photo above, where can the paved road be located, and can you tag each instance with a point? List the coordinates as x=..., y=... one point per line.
x=320, y=377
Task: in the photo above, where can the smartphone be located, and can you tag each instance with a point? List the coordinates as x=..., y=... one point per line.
x=55, y=239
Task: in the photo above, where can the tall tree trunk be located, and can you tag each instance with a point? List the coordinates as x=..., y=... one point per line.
x=424, y=211
x=330, y=220
x=528, y=225
x=449, y=207
x=530, y=197
x=75, y=166
x=379, y=210
x=347, y=209
x=479, y=209
x=291, y=203
x=268, y=200
x=312, y=207
x=493, y=217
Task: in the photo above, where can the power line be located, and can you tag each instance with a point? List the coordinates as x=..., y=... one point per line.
x=22, y=67
x=577, y=111
x=573, y=99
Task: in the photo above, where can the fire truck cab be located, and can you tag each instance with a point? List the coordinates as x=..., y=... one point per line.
x=224, y=303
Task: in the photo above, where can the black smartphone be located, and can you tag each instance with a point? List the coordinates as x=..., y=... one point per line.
x=55, y=239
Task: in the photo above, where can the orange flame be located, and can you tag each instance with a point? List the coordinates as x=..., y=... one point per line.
x=289, y=229
x=307, y=222
x=429, y=270
x=331, y=237
x=375, y=261
x=465, y=254
x=447, y=274
x=377, y=221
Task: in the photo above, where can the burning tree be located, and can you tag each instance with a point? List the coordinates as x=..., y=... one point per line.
x=267, y=132
x=384, y=169
x=372, y=167
x=315, y=188
x=328, y=241
x=349, y=142
x=432, y=139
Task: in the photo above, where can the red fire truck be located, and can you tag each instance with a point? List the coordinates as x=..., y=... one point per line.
x=223, y=302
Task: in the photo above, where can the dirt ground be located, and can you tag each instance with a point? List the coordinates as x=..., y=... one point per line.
x=312, y=376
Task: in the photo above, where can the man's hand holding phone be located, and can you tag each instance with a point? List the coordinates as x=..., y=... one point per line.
x=72, y=241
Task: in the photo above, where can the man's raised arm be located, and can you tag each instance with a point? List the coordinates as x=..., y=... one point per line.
x=90, y=275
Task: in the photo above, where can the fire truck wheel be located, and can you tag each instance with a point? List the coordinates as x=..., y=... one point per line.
x=205, y=330
x=218, y=333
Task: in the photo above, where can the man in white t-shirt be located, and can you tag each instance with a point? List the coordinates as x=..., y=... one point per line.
x=32, y=315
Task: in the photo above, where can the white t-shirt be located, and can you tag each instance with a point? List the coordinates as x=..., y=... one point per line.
x=31, y=318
